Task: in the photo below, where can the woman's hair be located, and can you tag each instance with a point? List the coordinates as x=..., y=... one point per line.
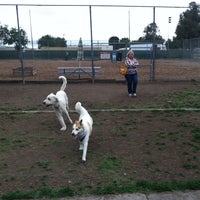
x=130, y=51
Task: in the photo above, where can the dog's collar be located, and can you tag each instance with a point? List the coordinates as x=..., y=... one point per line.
x=82, y=137
x=56, y=106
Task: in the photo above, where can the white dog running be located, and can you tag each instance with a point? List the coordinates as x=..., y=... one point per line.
x=82, y=128
x=59, y=103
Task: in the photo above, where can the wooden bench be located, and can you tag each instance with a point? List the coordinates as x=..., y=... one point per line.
x=28, y=71
x=78, y=70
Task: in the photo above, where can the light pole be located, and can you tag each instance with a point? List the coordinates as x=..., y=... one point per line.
x=129, y=26
x=169, y=22
x=31, y=33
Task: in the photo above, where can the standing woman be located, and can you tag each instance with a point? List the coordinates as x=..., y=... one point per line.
x=132, y=75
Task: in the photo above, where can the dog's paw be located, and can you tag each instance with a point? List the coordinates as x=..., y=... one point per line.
x=63, y=129
x=81, y=148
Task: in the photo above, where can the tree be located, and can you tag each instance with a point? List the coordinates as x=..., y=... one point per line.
x=3, y=31
x=114, y=41
x=12, y=37
x=124, y=42
x=149, y=34
x=189, y=23
x=49, y=41
x=173, y=44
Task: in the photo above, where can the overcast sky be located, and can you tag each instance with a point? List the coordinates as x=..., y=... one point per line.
x=73, y=22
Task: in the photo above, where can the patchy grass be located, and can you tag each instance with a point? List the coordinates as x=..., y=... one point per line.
x=183, y=99
x=128, y=151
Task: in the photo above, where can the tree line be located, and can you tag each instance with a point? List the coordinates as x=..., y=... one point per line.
x=188, y=27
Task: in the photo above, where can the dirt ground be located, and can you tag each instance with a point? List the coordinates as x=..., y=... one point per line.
x=46, y=70
x=127, y=145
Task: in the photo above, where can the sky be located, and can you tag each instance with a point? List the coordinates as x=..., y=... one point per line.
x=73, y=22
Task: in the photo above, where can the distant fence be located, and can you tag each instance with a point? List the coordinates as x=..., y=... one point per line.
x=193, y=47
x=191, y=43
x=72, y=54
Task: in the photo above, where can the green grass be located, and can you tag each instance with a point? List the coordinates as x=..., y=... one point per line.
x=190, y=166
x=146, y=186
x=110, y=162
x=41, y=193
x=109, y=168
x=43, y=165
x=7, y=144
x=183, y=99
x=196, y=137
x=113, y=188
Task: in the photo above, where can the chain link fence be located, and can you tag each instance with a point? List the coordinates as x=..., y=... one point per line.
x=192, y=46
x=43, y=64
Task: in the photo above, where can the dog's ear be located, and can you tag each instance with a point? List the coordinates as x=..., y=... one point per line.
x=81, y=121
x=52, y=94
x=56, y=99
x=76, y=122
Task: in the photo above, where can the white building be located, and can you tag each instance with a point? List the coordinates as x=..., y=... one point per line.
x=147, y=47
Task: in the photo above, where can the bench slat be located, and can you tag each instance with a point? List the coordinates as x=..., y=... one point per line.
x=78, y=70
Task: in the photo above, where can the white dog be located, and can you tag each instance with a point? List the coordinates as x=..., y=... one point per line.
x=82, y=128
x=59, y=101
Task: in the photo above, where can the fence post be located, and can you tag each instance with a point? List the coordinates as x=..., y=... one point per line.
x=20, y=46
x=92, y=50
x=152, y=73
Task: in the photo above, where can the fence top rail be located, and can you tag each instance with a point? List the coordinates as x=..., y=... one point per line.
x=92, y=5
x=79, y=67
x=145, y=65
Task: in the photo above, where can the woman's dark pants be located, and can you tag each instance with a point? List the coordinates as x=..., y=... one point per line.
x=132, y=81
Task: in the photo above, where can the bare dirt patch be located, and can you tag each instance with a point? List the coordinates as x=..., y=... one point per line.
x=165, y=70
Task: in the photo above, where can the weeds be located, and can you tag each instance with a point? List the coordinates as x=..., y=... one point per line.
x=184, y=99
x=41, y=193
x=190, y=166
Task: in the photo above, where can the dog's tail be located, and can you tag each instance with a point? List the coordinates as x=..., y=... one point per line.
x=78, y=107
x=64, y=82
